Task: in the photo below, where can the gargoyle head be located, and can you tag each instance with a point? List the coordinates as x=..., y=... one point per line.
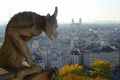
x=51, y=25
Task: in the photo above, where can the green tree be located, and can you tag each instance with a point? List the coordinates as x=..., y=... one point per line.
x=101, y=68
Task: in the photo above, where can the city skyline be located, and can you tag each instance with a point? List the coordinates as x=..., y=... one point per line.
x=88, y=10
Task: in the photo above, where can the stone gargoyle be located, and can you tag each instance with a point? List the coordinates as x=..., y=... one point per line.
x=20, y=29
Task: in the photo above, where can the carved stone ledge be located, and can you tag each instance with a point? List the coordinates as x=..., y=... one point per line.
x=7, y=76
x=29, y=74
x=18, y=73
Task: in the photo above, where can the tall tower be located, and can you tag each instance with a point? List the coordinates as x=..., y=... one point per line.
x=72, y=20
x=80, y=21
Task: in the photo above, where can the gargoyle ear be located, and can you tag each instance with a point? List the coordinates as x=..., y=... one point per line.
x=47, y=16
x=55, y=12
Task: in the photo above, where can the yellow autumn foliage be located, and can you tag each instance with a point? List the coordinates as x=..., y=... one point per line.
x=101, y=64
x=101, y=68
x=71, y=72
x=77, y=77
x=70, y=68
x=97, y=78
x=74, y=77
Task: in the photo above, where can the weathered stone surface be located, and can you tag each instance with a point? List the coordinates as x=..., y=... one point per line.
x=20, y=29
x=30, y=74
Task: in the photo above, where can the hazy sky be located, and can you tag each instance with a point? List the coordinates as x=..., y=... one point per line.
x=88, y=10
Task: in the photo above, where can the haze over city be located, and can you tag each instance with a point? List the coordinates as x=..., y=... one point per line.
x=88, y=10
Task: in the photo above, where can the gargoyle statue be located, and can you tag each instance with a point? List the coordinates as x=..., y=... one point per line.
x=20, y=29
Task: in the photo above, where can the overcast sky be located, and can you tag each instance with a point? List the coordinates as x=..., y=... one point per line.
x=88, y=10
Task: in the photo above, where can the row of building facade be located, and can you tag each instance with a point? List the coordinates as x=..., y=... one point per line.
x=57, y=57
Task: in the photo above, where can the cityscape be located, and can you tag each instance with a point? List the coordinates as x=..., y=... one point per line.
x=77, y=43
